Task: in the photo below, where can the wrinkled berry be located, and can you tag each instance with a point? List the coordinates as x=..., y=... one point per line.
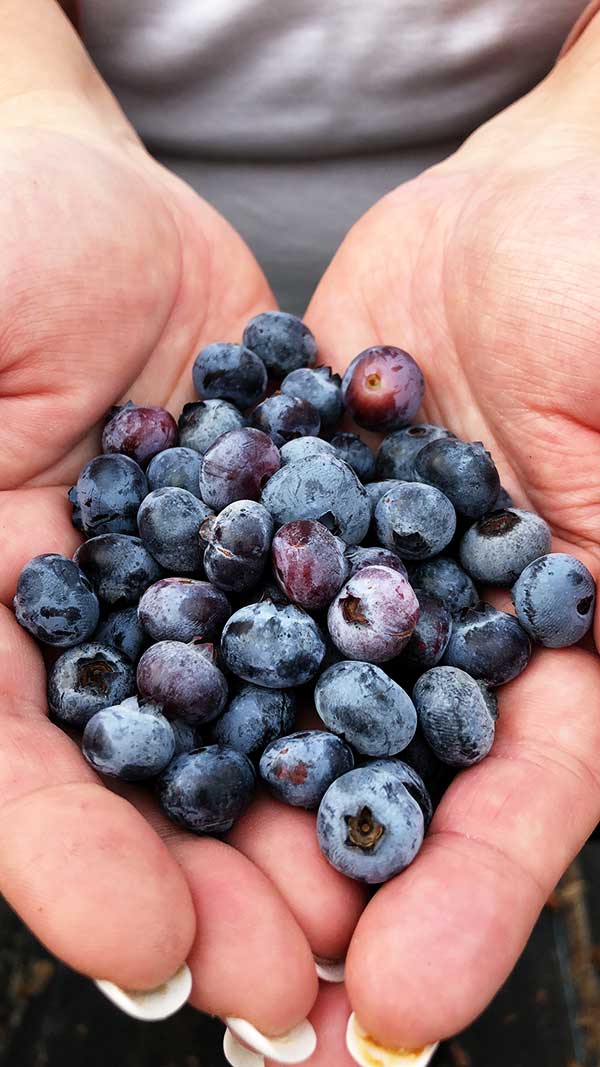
x=309, y=563
x=457, y=715
x=374, y=615
x=55, y=601
x=237, y=467
x=554, y=600
x=300, y=768
x=382, y=388
x=237, y=545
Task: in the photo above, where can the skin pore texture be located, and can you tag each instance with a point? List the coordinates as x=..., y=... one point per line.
x=484, y=269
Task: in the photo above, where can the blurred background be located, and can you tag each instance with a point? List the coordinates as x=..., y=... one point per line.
x=547, y=1014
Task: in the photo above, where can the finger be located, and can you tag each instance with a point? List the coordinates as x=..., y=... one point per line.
x=32, y=521
x=250, y=958
x=282, y=842
x=329, y=1017
x=442, y=937
x=80, y=866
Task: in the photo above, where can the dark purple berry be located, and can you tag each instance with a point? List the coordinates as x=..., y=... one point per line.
x=184, y=680
x=309, y=563
x=237, y=467
x=282, y=341
x=383, y=388
x=119, y=567
x=431, y=634
x=169, y=522
x=300, y=768
x=122, y=629
x=254, y=717
x=286, y=418
x=55, y=601
x=358, y=558
x=207, y=790
x=180, y=609
x=140, y=432
x=488, y=644
x=445, y=579
x=231, y=372
x=356, y=454
x=398, y=451
x=463, y=471
x=110, y=490
x=237, y=545
x=321, y=388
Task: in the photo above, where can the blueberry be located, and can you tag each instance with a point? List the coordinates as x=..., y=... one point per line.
x=110, y=490
x=237, y=545
x=498, y=547
x=358, y=558
x=76, y=518
x=207, y=790
x=382, y=388
x=300, y=768
x=398, y=451
x=183, y=679
x=554, y=599
x=286, y=418
x=369, y=826
x=303, y=447
x=431, y=634
x=356, y=454
x=445, y=579
x=55, y=601
x=503, y=500
x=254, y=717
x=417, y=520
x=374, y=615
x=139, y=432
x=321, y=388
x=179, y=467
x=121, y=629
x=322, y=488
x=201, y=422
x=224, y=371
x=309, y=563
x=128, y=743
x=375, y=490
x=464, y=471
x=282, y=341
x=237, y=467
x=86, y=679
x=274, y=645
x=119, y=567
x=435, y=774
x=488, y=644
x=457, y=715
x=169, y=523
x=184, y=736
x=360, y=703
x=180, y=609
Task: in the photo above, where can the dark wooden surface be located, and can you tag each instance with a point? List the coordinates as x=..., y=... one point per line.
x=547, y=1014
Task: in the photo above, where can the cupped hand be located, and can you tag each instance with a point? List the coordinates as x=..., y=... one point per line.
x=485, y=269
x=113, y=274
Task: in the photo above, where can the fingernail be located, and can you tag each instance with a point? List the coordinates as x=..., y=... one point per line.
x=294, y=1047
x=238, y=1055
x=151, y=1005
x=330, y=970
x=369, y=1053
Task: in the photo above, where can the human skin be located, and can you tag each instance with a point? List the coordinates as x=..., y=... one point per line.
x=484, y=269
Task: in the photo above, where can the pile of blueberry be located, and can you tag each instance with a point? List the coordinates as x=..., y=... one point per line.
x=252, y=557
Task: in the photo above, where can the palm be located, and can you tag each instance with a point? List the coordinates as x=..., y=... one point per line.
x=484, y=271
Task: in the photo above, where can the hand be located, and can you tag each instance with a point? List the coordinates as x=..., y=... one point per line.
x=113, y=274
x=485, y=270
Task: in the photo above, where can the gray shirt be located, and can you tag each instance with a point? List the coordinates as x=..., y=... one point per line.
x=293, y=116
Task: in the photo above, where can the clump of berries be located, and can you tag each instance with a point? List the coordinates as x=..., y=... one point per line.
x=251, y=553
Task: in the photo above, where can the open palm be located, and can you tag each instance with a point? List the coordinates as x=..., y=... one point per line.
x=484, y=270
x=113, y=274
